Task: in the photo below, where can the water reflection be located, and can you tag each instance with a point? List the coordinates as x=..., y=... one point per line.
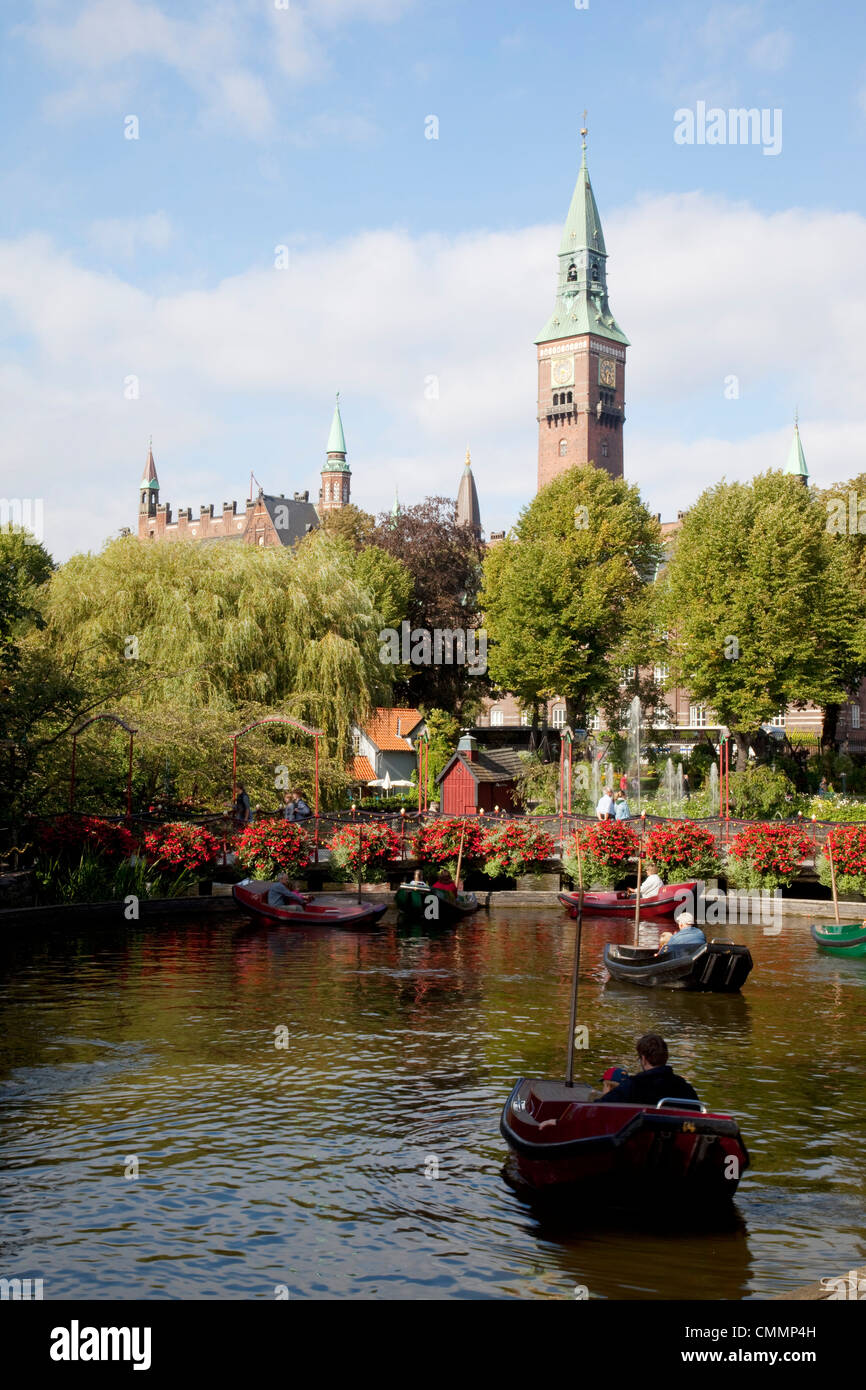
x=310, y=1164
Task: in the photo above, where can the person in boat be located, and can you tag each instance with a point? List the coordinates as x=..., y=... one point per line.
x=281, y=895
x=604, y=809
x=684, y=936
x=654, y=1081
x=446, y=884
x=417, y=881
x=620, y=808
x=650, y=886
x=614, y=1076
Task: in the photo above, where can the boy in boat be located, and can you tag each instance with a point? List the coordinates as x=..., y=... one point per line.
x=682, y=938
x=280, y=895
x=614, y=1076
x=654, y=1081
x=446, y=884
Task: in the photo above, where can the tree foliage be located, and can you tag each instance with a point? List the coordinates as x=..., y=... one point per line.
x=761, y=613
x=560, y=591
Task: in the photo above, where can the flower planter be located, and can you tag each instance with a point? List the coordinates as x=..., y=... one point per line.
x=538, y=883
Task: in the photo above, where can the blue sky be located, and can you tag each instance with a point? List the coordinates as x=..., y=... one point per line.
x=412, y=258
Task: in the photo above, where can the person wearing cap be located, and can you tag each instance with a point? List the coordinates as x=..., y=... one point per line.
x=614, y=1076
x=683, y=938
x=654, y=1081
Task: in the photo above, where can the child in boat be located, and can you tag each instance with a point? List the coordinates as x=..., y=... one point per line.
x=417, y=881
x=445, y=883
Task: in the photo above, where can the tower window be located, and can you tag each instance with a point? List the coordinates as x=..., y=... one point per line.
x=604, y=448
x=572, y=271
x=595, y=272
x=556, y=398
x=569, y=398
x=563, y=448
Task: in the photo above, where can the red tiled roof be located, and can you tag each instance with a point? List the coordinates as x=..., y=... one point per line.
x=361, y=770
x=381, y=728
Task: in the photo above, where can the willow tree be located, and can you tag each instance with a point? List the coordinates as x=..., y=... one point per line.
x=761, y=611
x=559, y=590
x=190, y=642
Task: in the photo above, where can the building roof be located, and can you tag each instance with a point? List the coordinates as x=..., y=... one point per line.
x=489, y=765
x=336, y=444
x=291, y=518
x=796, y=458
x=468, y=510
x=382, y=725
x=581, y=296
x=148, y=477
x=360, y=769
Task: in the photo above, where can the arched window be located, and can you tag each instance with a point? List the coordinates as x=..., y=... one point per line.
x=604, y=448
x=497, y=716
x=595, y=272
x=563, y=448
x=569, y=398
x=572, y=271
x=555, y=398
x=558, y=716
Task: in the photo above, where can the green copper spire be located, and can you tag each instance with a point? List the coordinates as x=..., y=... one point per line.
x=581, y=295
x=336, y=450
x=796, y=458
x=395, y=510
x=149, y=478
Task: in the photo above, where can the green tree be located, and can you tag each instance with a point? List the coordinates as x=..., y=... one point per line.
x=844, y=506
x=760, y=615
x=444, y=734
x=560, y=590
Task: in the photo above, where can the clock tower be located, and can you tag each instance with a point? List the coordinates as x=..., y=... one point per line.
x=581, y=352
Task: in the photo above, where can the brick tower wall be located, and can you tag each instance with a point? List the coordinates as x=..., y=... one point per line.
x=588, y=436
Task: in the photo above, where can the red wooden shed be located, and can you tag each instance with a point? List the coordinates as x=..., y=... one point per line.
x=478, y=779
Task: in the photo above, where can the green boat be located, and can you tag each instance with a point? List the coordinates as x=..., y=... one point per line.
x=422, y=904
x=841, y=938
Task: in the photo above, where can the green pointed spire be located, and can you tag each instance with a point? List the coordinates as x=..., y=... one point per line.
x=796, y=458
x=336, y=449
x=395, y=510
x=581, y=295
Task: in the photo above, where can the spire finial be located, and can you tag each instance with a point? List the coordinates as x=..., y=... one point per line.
x=796, y=417
x=468, y=459
x=583, y=134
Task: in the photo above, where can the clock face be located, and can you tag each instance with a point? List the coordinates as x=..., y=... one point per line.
x=562, y=372
x=607, y=372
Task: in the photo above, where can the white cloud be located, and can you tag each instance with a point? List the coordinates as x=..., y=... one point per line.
x=772, y=51
x=704, y=288
x=235, y=64
x=124, y=236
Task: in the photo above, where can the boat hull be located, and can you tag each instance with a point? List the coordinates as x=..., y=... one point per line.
x=668, y=899
x=622, y=1155
x=841, y=938
x=716, y=967
x=417, y=905
x=322, y=912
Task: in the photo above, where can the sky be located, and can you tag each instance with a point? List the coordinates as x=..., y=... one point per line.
x=214, y=216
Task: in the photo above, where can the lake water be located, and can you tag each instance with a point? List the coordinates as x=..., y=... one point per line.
x=152, y=1050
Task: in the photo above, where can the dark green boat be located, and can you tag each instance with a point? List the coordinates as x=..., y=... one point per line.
x=841, y=938
x=423, y=904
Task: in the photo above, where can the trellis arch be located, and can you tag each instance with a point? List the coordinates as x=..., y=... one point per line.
x=316, y=734
x=114, y=719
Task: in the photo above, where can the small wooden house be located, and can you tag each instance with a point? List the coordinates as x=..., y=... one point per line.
x=478, y=779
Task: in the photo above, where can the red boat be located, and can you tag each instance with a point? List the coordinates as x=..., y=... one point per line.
x=662, y=904
x=321, y=912
x=676, y=1152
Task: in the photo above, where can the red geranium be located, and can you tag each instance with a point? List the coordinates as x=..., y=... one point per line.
x=183, y=846
x=767, y=856
x=681, y=848
x=438, y=841
x=512, y=847
x=367, y=846
x=271, y=847
x=70, y=835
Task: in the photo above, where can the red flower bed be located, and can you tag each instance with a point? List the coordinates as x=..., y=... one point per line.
x=438, y=841
x=367, y=846
x=608, y=841
x=681, y=848
x=183, y=846
x=272, y=847
x=767, y=856
x=848, y=846
x=71, y=835
x=512, y=847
